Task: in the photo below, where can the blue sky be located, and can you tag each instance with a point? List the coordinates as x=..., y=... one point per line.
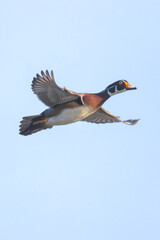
x=81, y=181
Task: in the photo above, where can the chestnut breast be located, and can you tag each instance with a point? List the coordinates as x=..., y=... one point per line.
x=93, y=100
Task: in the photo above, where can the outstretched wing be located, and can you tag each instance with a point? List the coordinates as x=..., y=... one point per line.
x=102, y=116
x=49, y=92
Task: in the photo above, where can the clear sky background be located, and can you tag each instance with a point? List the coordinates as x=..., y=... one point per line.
x=81, y=181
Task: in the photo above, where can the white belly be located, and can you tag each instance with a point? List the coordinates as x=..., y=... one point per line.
x=70, y=115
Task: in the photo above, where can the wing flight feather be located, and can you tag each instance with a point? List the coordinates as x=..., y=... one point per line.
x=103, y=116
x=49, y=92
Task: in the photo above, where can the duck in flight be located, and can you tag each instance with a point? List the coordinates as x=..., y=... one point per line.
x=68, y=107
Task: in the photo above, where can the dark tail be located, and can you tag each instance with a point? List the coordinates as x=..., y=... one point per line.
x=33, y=124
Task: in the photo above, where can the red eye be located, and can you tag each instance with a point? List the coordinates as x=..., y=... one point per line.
x=120, y=82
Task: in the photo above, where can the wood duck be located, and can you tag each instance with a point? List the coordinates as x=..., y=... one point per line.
x=68, y=106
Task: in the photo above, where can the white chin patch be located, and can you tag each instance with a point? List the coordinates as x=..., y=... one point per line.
x=116, y=91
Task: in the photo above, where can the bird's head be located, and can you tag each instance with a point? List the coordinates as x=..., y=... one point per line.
x=118, y=87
